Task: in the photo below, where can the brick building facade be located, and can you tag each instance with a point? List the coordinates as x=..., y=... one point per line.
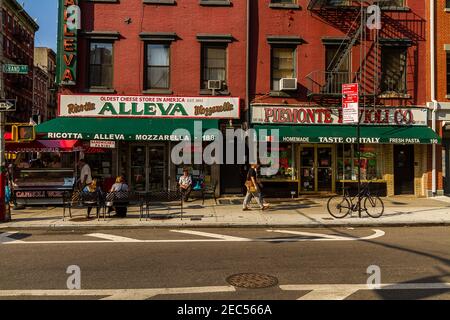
x=441, y=92
x=45, y=59
x=284, y=61
x=18, y=30
x=322, y=45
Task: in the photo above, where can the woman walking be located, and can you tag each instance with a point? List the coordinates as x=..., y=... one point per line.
x=253, y=189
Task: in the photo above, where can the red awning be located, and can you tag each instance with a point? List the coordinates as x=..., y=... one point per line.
x=43, y=146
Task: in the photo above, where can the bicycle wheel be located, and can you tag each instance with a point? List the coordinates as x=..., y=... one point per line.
x=338, y=206
x=374, y=206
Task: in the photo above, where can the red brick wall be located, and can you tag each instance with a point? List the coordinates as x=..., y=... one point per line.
x=311, y=55
x=186, y=19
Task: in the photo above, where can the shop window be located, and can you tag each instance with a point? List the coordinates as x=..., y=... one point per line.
x=393, y=70
x=214, y=64
x=157, y=64
x=101, y=65
x=283, y=65
x=286, y=162
x=347, y=162
x=201, y=173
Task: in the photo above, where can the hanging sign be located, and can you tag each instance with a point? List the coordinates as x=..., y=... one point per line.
x=69, y=23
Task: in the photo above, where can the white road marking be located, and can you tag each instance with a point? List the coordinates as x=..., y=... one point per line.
x=109, y=238
x=115, y=294
x=328, y=237
x=4, y=237
x=342, y=291
x=212, y=235
x=112, y=237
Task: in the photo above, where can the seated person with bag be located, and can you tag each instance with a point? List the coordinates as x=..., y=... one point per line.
x=118, y=193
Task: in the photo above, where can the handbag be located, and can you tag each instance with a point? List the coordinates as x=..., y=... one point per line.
x=250, y=186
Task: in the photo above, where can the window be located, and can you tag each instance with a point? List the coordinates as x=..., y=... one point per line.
x=283, y=65
x=214, y=64
x=100, y=65
x=393, y=70
x=393, y=3
x=336, y=77
x=447, y=4
x=448, y=72
x=347, y=162
x=157, y=66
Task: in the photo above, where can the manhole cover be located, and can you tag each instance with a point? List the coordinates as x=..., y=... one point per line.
x=252, y=280
x=82, y=219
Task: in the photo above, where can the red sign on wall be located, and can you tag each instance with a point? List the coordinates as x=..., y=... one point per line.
x=350, y=103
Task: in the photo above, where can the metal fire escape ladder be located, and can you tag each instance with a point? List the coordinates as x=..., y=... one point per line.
x=343, y=53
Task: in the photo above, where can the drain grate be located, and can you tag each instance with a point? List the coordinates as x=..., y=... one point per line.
x=252, y=280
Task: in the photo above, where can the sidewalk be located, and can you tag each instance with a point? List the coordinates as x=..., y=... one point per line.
x=303, y=212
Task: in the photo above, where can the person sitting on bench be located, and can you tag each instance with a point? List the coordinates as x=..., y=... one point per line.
x=117, y=193
x=185, y=183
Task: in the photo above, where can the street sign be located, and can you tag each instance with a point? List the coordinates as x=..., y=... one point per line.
x=15, y=68
x=350, y=103
x=7, y=105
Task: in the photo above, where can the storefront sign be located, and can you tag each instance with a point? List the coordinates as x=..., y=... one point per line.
x=148, y=107
x=107, y=144
x=350, y=103
x=262, y=114
x=69, y=22
x=124, y=137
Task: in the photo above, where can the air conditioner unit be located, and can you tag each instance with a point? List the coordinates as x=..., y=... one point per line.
x=214, y=84
x=288, y=84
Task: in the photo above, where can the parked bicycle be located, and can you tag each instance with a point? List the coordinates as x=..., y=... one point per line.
x=342, y=205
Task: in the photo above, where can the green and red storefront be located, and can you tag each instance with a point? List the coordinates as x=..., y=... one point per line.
x=137, y=134
x=318, y=153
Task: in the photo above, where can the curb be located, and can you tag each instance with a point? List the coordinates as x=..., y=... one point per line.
x=226, y=225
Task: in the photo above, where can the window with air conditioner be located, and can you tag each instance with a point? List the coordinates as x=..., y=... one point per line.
x=283, y=65
x=214, y=65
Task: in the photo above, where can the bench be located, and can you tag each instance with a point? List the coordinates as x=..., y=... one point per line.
x=84, y=200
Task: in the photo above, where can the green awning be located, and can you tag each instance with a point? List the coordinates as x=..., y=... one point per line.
x=128, y=129
x=348, y=134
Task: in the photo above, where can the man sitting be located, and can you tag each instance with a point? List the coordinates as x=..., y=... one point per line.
x=185, y=183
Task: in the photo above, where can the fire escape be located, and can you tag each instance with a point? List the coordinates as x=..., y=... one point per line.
x=325, y=86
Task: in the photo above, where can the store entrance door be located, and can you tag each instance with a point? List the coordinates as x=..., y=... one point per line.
x=404, y=169
x=316, y=168
x=147, y=167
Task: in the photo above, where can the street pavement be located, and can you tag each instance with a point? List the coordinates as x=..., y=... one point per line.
x=303, y=212
x=197, y=263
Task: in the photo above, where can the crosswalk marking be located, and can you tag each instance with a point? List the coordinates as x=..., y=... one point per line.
x=104, y=238
x=212, y=235
x=328, y=237
x=5, y=237
x=112, y=237
x=116, y=294
x=342, y=291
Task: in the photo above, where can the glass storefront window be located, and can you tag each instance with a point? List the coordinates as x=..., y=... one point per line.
x=286, y=162
x=201, y=173
x=347, y=162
